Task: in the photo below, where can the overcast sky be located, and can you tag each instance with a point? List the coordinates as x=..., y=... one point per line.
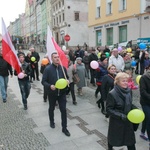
x=10, y=10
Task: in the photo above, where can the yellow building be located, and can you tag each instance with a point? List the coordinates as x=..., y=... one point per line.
x=118, y=21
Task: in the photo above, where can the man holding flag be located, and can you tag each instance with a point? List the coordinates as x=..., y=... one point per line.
x=51, y=74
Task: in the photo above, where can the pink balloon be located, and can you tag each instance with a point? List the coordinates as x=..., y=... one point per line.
x=94, y=64
x=21, y=75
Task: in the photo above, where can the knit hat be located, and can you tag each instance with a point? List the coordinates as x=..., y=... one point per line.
x=78, y=58
x=103, y=57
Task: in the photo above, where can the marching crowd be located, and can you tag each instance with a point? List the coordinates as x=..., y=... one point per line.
x=110, y=71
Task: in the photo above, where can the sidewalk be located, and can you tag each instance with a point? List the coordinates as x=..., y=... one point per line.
x=30, y=130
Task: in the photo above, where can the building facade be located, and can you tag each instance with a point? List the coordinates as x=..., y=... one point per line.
x=63, y=16
x=70, y=17
x=112, y=21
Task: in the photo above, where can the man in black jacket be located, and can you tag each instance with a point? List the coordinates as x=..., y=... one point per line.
x=35, y=63
x=24, y=82
x=145, y=99
x=5, y=70
x=92, y=57
x=51, y=74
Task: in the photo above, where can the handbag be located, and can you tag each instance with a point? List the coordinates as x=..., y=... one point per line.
x=75, y=77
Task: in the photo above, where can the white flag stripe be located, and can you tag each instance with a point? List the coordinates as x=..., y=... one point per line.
x=49, y=44
x=6, y=38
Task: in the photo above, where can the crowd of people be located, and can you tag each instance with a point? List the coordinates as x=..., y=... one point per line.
x=113, y=79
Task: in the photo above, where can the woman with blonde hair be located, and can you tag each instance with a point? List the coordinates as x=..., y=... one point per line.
x=118, y=105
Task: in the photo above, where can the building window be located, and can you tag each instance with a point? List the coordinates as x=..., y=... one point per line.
x=122, y=34
x=76, y=16
x=122, y=5
x=59, y=4
x=56, y=7
x=98, y=12
x=98, y=8
x=98, y=38
x=54, y=22
x=60, y=18
x=57, y=20
x=109, y=36
x=62, y=2
x=109, y=8
x=63, y=17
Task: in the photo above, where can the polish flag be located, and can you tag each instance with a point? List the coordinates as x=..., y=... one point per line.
x=52, y=46
x=8, y=50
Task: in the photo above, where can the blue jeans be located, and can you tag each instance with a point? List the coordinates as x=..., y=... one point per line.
x=3, y=86
x=25, y=87
x=146, y=110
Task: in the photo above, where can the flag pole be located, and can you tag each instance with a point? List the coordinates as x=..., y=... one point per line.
x=63, y=70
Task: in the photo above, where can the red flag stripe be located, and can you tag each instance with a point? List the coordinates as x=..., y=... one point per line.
x=61, y=54
x=9, y=56
x=8, y=50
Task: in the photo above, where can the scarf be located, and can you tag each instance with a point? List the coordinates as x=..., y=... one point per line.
x=125, y=95
x=103, y=65
x=147, y=74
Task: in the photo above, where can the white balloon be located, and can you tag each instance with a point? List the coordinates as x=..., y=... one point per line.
x=63, y=47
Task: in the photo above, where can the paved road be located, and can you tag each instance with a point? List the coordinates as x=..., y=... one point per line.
x=30, y=130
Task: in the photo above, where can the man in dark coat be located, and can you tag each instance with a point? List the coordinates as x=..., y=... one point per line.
x=145, y=98
x=5, y=70
x=92, y=57
x=51, y=74
x=37, y=58
x=24, y=82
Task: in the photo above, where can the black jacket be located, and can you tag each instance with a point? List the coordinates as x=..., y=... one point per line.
x=145, y=90
x=5, y=67
x=120, y=132
x=107, y=85
x=27, y=69
x=50, y=77
x=36, y=55
x=92, y=57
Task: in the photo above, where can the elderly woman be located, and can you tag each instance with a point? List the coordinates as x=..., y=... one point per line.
x=118, y=105
x=80, y=68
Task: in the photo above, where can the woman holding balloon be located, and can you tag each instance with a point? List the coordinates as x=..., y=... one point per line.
x=118, y=105
x=101, y=71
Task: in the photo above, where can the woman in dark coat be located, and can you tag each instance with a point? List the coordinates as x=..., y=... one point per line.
x=118, y=105
x=108, y=82
x=101, y=71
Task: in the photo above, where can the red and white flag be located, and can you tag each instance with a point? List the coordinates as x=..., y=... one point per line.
x=52, y=46
x=8, y=50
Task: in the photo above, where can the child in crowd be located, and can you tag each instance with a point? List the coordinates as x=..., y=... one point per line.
x=131, y=84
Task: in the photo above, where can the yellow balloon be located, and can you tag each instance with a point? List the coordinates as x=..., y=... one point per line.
x=129, y=50
x=136, y=116
x=61, y=83
x=33, y=59
x=138, y=79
